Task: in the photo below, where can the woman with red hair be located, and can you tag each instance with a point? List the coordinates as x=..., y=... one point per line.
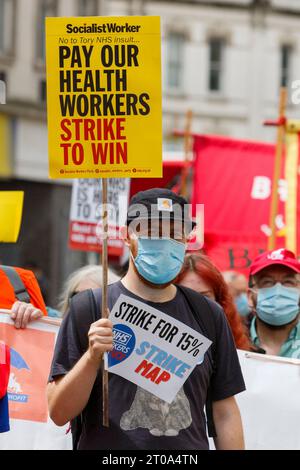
x=200, y=274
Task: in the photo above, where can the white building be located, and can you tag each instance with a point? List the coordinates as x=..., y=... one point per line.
x=225, y=60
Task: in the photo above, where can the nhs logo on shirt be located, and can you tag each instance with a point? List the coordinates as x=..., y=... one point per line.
x=124, y=344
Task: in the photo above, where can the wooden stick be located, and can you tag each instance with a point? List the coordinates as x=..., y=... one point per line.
x=105, y=403
x=277, y=168
x=187, y=148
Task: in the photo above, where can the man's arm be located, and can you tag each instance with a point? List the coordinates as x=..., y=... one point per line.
x=68, y=395
x=228, y=425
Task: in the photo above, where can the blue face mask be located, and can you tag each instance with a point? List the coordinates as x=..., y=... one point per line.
x=241, y=303
x=278, y=305
x=159, y=260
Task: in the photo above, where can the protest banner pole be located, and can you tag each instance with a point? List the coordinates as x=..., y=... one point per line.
x=187, y=148
x=281, y=123
x=104, y=257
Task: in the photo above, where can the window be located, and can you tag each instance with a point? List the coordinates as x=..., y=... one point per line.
x=87, y=7
x=47, y=8
x=6, y=27
x=175, y=51
x=285, y=63
x=216, y=52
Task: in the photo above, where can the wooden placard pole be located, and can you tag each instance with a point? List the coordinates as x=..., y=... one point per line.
x=104, y=310
x=277, y=167
x=187, y=148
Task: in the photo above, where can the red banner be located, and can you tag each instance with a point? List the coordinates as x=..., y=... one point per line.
x=233, y=179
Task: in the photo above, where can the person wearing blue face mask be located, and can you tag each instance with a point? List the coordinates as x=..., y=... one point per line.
x=237, y=284
x=274, y=295
x=156, y=233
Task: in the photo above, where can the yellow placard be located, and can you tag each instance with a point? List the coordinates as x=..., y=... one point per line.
x=11, y=207
x=104, y=97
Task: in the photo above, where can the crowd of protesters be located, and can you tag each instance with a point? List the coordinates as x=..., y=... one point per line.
x=258, y=314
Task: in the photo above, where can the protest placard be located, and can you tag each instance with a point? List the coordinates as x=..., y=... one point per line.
x=104, y=97
x=85, y=215
x=152, y=349
x=270, y=405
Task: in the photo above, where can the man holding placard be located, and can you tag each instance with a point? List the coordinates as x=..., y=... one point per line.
x=169, y=348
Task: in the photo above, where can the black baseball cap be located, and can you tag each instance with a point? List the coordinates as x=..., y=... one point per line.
x=161, y=204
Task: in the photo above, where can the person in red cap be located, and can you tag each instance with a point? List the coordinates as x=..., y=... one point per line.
x=274, y=293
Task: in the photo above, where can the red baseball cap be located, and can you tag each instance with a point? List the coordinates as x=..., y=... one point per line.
x=282, y=256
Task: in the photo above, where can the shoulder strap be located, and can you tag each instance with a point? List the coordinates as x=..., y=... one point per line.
x=204, y=316
x=20, y=290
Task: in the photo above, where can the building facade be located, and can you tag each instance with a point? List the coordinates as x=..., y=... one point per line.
x=224, y=60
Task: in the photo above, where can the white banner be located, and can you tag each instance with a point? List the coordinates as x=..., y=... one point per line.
x=31, y=352
x=152, y=349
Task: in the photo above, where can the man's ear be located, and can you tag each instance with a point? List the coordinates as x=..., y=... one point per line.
x=124, y=234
